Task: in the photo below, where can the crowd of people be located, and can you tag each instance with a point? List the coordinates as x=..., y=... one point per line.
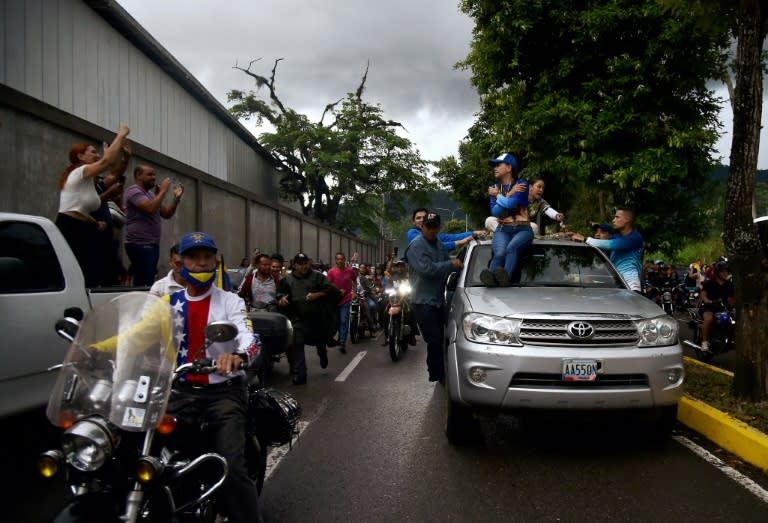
x=94, y=209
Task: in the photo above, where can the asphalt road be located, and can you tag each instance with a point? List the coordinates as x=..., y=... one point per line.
x=372, y=449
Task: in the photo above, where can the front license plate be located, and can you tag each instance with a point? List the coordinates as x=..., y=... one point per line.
x=580, y=370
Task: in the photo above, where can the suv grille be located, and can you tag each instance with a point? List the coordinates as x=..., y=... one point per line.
x=603, y=381
x=555, y=331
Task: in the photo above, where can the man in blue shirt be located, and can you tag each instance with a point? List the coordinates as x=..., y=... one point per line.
x=626, y=247
x=450, y=241
x=429, y=266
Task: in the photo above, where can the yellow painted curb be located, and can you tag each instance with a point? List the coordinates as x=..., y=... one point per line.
x=707, y=366
x=733, y=435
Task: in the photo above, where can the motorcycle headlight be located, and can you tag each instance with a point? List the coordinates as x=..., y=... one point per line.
x=495, y=330
x=657, y=332
x=404, y=288
x=88, y=444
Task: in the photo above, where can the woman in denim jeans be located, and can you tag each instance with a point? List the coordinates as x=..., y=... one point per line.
x=509, y=204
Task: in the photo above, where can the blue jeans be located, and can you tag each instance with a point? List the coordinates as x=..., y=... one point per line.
x=343, y=318
x=507, y=244
x=144, y=258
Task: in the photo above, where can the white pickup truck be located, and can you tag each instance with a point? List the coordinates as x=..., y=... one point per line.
x=39, y=279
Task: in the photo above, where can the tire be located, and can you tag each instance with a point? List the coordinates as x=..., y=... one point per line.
x=256, y=457
x=354, y=328
x=459, y=425
x=395, y=337
x=665, y=423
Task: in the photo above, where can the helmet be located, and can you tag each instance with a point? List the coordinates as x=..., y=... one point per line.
x=723, y=259
x=721, y=266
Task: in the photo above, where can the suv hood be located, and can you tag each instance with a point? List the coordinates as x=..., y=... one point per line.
x=515, y=301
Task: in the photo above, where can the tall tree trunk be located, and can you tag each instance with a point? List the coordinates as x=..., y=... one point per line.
x=741, y=241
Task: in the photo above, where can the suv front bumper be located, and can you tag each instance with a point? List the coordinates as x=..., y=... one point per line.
x=530, y=377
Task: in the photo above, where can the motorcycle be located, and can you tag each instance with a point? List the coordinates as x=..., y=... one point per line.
x=398, y=309
x=357, y=319
x=722, y=332
x=666, y=299
x=118, y=455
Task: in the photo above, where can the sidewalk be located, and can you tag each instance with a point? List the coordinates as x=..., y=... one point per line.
x=733, y=435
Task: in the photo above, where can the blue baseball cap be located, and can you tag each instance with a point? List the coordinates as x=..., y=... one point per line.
x=196, y=240
x=602, y=227
x=507, y=158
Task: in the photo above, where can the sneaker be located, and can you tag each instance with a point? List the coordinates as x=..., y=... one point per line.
x=502, y=277
x=342, y=348
x=324, y=360
x=705, y=346
x=488, y=279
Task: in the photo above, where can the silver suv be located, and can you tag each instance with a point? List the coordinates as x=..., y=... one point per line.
x=568, y=335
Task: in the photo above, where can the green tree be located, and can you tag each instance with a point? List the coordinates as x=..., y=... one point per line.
x=603, y=98
x=351, y=151
x=747, y=22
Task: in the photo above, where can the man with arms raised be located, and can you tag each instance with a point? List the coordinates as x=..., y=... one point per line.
x=625, y=247
x=451, y=241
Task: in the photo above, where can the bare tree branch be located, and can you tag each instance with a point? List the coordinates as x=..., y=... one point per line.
x=262, y=81
x=361, y=87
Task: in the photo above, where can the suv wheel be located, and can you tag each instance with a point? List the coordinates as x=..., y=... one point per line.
x=460, y=426
x=666, y=421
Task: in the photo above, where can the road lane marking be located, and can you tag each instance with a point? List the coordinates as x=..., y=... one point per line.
x=729, y=471
x=276, y=454
x=352, y=364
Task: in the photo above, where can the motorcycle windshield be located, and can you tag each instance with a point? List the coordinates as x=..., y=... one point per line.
x=120, y=365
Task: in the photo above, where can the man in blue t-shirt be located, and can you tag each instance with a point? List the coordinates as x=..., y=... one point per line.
x=450, y=241
x=626, y=247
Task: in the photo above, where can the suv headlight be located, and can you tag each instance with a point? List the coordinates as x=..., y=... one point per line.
x=658, y=331
x=495, y=330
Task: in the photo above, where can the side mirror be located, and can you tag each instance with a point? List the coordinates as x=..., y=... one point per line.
x=219, y=331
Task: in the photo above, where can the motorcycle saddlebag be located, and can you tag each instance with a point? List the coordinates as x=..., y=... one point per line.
x=274, y=330
x=275, y=415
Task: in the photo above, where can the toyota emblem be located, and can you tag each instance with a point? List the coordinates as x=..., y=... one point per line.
x=580, y=330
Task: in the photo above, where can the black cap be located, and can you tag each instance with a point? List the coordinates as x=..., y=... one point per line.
x=432, y=219
x=300, y=258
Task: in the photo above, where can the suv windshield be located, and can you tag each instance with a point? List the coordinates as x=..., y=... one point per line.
x=550, y=265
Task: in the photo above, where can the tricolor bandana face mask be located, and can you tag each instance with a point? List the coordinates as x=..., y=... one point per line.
x=198, y=279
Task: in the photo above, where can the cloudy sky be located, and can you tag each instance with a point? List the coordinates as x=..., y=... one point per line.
x=412, y=46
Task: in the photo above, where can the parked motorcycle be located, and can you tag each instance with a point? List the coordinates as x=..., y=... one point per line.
x=398, y=310
x=722, y=333
x=118, y=455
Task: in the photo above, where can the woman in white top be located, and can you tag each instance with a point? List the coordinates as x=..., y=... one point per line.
x=78, y=198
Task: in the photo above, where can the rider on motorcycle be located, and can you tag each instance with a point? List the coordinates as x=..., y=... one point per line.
x=221, y=398
x=716, y=293
x=367, y=289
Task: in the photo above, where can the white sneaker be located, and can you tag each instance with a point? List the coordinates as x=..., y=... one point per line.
x=705, y=346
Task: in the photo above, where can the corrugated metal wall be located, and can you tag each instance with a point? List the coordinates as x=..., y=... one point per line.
x=66, y=54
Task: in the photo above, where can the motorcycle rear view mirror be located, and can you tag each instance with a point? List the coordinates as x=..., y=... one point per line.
x=219, y=331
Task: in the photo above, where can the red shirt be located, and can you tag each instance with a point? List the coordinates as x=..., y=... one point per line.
x=344, y=280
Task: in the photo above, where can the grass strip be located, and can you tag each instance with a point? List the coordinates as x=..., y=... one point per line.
x=714, y=388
